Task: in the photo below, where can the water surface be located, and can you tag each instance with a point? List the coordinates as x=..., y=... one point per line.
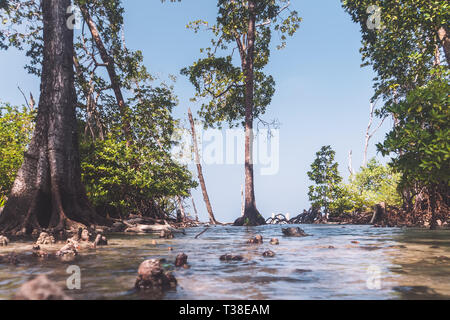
x=386, y=263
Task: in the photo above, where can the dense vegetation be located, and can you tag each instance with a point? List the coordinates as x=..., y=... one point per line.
x=373, y=184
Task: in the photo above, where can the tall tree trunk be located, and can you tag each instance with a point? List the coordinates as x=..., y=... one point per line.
x=48, y=192
x=108, y=60
x=251, y=214
x=444, y=39
x=242, y=201
x=201, y=179
x=195, y=208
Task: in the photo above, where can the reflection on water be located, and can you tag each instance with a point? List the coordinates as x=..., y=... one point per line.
x=334, y=262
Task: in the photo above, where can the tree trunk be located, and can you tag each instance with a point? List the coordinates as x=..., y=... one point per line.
x=444, y=39
x=201, y=179
x=181, y=210
x=242, y=201
x=195, y=208
x=108, y=60
x=251, y=214
x=48, y=192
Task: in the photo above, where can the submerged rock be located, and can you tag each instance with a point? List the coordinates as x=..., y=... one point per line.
x=11, y=258
x=118, y=227
x=45, y=238
x=166, y=234
x=230, y=257
x=269, y=254
x=84, y=236
x=38, y=252
x=3, y=241
x=100, y=240
x=181, y=260
x=151, y=276
x=69, y=249
x=293, y=232
x=258, y=239
x=41, y=288
x=274, y=241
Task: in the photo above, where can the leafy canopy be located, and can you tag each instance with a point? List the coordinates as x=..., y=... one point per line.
x=421, y=140
x=219, y=78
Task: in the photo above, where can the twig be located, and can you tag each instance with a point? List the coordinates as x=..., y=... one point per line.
x=201, y=232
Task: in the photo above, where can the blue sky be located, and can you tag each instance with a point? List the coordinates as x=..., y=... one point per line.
x=322, y=95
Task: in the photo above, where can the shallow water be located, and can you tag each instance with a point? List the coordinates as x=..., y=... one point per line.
x=408, y=263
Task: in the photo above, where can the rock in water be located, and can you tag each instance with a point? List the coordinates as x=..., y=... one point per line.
x=11, y=258
x=230, y=257
x=274, y=241
x=100, y=240
x=69, y=249
x=151, y=276
x=258, y=239
x=166, y=234
x=84, y=235
x=293, y=232
x=41, y=288
x=3, y=241
x=181, y=260
x=269, y=254
x=45, y=238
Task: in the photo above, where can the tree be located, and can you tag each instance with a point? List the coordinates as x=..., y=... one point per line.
x=48, y=192
x=373, y=184
x=240, y=94
x=326, y=190
x=402, y=48
x=201, y=179
x=421, y=141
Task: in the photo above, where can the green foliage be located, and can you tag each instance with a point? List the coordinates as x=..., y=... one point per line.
x=219, y=83
x=402, y=50
x=326, y=191
x=373, y=184
x=130, y=179
x=407, y=53
x=16, y=126
x=421, y=140
x=138, y=178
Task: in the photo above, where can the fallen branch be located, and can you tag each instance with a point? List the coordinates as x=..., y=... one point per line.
x=198, y=235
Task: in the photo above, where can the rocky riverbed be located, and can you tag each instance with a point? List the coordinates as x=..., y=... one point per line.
x=330, y=262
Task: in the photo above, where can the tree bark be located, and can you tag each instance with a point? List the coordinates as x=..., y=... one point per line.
x=48, y=192
x=251, y=214
x=181, y=209
x=201, y=179
x=195, y=208
x=108, y=60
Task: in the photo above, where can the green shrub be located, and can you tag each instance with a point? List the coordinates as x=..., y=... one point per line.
x=16, y=127
x=136, y=179
x=373, y=184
